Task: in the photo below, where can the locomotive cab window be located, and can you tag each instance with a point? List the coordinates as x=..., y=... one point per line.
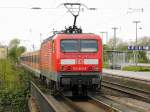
x=88, y=46
x=79, y=45
x=69, y=46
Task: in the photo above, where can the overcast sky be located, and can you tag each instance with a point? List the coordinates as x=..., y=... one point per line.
x=17, y=20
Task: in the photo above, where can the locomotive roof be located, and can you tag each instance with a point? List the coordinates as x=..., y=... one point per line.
x=53, y=36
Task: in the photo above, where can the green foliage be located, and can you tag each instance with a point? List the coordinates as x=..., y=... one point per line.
x=7, y=71
x=120, y=44
x=106, y=47
x=142, y=57
x=144, y=41
x=15, y=50
x=16, y=100
x=14, y=87
x=136, y=68
x=14, y=43
x=105, y=65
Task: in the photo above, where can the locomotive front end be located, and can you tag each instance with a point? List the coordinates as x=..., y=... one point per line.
x=80, y=62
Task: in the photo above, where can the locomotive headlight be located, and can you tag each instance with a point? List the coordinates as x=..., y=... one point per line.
x=90, y=61
x=67, y=61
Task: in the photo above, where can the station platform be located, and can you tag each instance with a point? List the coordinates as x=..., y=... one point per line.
x=145, y=76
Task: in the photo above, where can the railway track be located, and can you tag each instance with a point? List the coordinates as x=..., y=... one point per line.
x=121, y=106
x=133, y=92
x=61, y=103
x=88, y=104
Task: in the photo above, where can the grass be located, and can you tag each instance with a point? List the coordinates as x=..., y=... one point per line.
x=7, y=71
x=136, y=68
x=13, y=78
x=14, y=87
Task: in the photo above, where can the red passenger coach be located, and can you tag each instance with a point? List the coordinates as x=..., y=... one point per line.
x=30, y=60
x=72, y=62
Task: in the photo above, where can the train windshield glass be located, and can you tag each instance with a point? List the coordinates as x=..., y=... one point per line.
x=88, y=46
x=69, y=46
x=79, y=45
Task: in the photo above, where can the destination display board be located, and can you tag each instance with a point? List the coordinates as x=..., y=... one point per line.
x=139, y=48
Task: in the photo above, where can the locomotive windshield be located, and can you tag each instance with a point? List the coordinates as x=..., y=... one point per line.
x=69, y=45
x=88, y=46
x=74, y=45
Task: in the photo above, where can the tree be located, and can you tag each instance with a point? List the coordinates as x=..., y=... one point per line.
x=120, y=44
x=144, y=41
x=14, y=43
x=142, y=57
x=15, y=50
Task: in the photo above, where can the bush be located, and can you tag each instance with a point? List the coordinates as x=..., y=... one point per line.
x=105, y=65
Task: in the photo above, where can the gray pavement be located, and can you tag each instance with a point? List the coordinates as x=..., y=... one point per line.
x=136, y=75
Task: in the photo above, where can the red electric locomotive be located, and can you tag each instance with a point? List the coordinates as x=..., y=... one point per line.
x=72, y=61
x=69, y=60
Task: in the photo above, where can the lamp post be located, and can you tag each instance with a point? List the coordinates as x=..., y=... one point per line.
x=114, y=43
x=106, y=36
x=136, y=40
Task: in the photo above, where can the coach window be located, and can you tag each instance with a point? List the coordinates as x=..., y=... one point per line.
x=36, y=58
x=33, y=59
x=30, y=59
x=53, y=46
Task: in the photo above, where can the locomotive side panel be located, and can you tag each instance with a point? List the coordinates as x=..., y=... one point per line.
x=47, y=60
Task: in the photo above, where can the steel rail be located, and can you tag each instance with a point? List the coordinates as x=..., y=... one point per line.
x=71, y=104
x=121, y=107
x=106, y=106
x=48, y=103
x=44, y=104
x=136, y=89
x=136, y=93
x=92, y=100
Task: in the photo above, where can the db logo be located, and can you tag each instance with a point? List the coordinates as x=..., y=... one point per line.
x=79, y=61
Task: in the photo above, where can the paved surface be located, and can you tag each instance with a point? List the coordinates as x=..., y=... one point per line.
x=33, y=107
x=136, y=75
